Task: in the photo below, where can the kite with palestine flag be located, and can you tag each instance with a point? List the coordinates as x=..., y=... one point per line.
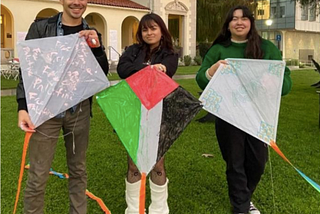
x=246, y=93
x=58, y=73
x=148, y=111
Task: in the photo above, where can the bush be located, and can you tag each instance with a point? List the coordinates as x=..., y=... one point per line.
x=203, y=48
x=187, y=60
x=197, y=59
x=292, y=62
x=301, y=65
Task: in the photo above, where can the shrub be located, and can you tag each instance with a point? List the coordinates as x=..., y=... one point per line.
x=187, y=60
x=198, y=60
x=292, y=62
x=301, y=65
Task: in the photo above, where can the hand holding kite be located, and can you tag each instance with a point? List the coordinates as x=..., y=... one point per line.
x=160, y=67
x=91, y=37
x=24, y=121
x=212, y=70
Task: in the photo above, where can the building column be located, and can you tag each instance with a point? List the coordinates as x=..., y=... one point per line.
x=193, y=29
x=283, y=39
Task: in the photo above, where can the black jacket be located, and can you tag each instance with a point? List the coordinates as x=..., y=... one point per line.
x=48, y=28
x=132, y=60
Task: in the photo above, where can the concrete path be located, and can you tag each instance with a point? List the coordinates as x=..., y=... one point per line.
x=8, y=92
x=12, y=92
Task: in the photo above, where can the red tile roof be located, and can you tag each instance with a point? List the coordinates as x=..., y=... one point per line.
x=119, y=3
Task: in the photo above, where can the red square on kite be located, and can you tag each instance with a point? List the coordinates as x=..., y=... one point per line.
x=151, y=86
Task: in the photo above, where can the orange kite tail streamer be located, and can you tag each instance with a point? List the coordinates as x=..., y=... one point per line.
x=276, y=148
x=23, y=161
x=100, y=202
x=142, y=199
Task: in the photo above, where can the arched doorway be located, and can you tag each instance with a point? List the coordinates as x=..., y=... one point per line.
x=128, y=31
x=7, y=36
x=6, y=28
x=97, y=21
x=46, y=13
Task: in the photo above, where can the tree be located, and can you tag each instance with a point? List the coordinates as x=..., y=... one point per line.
x=211, y=15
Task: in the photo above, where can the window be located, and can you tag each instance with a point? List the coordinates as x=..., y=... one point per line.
x=282, y=11
x=273, y=12
x=304, y=13
x=312, y=14
x=260, y=12
x=264, y=35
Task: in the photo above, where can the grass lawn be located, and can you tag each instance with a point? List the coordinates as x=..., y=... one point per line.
x=197, y=184
x=183, y=70
x=8, y=83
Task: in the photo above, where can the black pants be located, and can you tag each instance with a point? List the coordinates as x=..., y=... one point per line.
x=245, y=158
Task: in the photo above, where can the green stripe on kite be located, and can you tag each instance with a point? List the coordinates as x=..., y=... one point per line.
x=123, y=109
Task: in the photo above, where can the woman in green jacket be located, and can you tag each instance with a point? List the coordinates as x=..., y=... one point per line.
x=245, y=155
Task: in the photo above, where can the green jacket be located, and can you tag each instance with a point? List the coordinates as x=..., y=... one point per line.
x=236, y=50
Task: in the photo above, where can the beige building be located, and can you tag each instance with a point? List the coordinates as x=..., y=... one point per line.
x=181, y=18
x=116, y=20
x=294, y=29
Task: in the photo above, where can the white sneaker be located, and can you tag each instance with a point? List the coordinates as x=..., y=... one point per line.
x=253, y=209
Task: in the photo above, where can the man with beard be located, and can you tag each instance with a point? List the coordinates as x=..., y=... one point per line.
x=74, y=122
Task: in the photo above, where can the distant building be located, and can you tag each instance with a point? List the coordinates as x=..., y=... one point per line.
x=294, y=29
x=116, y=20
x=181, y=18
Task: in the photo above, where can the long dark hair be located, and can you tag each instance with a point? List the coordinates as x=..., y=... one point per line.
x=165, y=42
x=253, y=49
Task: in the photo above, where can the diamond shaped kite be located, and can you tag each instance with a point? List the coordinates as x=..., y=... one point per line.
x=246, y=93
x=58, y=73
x=148, y=111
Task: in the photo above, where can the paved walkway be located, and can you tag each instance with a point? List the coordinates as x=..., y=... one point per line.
x=12, y=92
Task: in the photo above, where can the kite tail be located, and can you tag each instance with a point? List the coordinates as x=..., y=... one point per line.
x=58, y=174
x=311, y=182
x=99, y=201
x=142, y=199
x=89, y=194
x=23, y=160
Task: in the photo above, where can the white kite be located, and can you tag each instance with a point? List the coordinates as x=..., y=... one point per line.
x=58, y=73
x=246, y=93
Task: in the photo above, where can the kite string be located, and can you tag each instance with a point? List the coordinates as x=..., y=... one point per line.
x=271, y=178
x=72, y=132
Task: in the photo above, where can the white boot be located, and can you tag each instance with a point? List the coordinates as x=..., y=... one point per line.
x=132, y=197
x=159, y=196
